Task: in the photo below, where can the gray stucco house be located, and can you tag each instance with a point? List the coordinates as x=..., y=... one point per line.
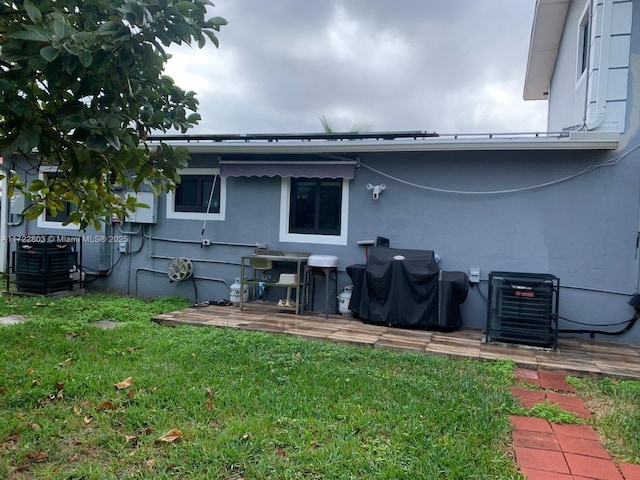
x=566, y=202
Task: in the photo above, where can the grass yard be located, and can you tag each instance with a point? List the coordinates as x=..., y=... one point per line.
x=617, y=403
x=145, y=401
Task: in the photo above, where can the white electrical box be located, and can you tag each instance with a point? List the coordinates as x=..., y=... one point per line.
x=474, y=275
x=16, y=203
x=144, y=215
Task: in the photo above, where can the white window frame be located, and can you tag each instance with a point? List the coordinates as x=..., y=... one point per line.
x=285, y=236
x=171, y=205
x=42, y=221
x=584, y=41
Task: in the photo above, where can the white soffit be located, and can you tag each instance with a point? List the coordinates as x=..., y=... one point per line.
x=546, y=32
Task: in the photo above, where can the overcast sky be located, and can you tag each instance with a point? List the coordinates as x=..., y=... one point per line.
x=453, y=66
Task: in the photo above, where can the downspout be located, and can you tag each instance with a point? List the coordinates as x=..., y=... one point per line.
x=4, y=220
x=603, y=65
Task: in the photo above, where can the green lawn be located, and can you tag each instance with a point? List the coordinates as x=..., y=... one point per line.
x=617, y=403
x=219, y=403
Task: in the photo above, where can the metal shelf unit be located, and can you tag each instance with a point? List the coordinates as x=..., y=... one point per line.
x=248, y=264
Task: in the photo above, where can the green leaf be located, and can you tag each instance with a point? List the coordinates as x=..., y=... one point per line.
x=157, y=117
x=212, y=37
x=34, y=211
x=194, y=118
x=49, y=53
x=32, y=11
x=218, y=21
x=185, y=8
x=86, y=59
x=113, y=140
x=36, y=185
x=61, y=26
x=32, y=33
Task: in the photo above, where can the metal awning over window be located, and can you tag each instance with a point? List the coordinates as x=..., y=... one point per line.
x=297, y=169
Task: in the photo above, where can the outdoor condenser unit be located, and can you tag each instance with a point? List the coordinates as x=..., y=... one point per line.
x=44, y=266
x=523, y=309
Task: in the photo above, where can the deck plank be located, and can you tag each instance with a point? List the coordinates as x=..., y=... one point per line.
x=575, y=356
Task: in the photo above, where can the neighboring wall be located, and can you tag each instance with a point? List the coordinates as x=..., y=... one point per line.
x=595, y=99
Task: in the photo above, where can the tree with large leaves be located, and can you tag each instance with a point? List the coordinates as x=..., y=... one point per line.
x=81, y=87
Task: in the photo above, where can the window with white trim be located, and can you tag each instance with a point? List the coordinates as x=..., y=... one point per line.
x=584, y=40
x=46, y=219
x=197, y=197
x=314, y=210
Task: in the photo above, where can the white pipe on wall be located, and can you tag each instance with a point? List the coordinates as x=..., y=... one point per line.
x=603, y=66
x=4, y=220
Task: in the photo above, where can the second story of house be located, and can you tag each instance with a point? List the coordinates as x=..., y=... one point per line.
x=581, y=59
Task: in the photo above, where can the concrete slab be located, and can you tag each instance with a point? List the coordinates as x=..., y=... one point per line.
x=105, y=324
x=12, y=319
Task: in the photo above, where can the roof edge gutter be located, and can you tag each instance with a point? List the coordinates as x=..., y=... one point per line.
x=576, y=140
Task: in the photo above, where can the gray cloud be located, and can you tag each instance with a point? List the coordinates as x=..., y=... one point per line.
x=455, y=66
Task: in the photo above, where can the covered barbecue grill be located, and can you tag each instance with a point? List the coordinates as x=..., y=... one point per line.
x=404, y=287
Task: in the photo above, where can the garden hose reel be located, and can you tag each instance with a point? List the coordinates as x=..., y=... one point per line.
x=179, y=269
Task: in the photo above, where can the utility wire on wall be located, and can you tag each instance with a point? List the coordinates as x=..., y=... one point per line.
x=607, y=163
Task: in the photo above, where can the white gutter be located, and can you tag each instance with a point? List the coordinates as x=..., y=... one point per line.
x=603, y=66
x=577, y=140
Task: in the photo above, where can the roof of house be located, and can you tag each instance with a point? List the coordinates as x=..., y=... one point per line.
x=548, y=23
x=383, y=142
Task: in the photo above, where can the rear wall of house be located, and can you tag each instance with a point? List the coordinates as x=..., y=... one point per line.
x=540, y=212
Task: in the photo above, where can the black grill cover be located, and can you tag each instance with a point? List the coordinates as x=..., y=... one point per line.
x=406, y=287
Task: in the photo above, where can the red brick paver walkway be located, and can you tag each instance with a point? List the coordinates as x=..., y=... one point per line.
x=551, y=451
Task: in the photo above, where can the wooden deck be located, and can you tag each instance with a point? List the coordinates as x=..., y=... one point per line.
x=578, y=357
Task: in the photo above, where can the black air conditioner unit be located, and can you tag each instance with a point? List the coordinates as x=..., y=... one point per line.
x=45, y=265
x=523, y=309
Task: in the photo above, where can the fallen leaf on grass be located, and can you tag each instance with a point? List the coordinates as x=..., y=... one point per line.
x=77, y=410
x=131, y=393
x=128, y=438
x=60, y=395
x=37, y=456
x=87, y=420
x=151, y=462
x=66, y=363
x=209, y=392
x=59, y=386
x=30, y=371
x=36, y=383
x=171, y=436
x=34, y=426
x=75, y=458
x=124, y=384
x=11, y=443
x=107, y=405
x=210, y=406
